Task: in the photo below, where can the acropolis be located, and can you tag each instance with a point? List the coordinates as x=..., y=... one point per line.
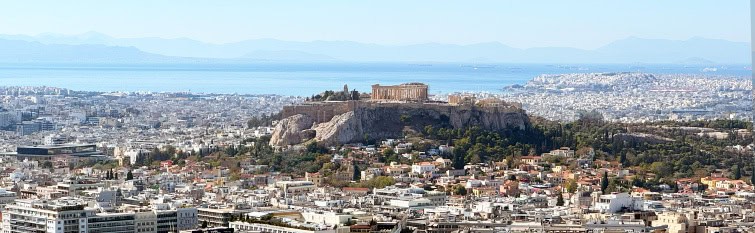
x=414, y=92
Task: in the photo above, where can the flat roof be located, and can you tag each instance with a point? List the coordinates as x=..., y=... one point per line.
x=56, y=146
x=82, y=154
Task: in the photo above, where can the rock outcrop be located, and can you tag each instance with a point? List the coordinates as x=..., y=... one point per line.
x=341, y=129
x=291, y=130
x=374, y=121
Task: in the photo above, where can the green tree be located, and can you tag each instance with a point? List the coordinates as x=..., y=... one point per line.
x=380, y=182
x=129, y=175
x=638, y=182
x=752, y=175
x=405, y=118
x=429, y=131
x=623, y=158
x=560, y=199
x=357, y=173
x=661, y=169
x=604, y=182
x=389, y=155
x=458, y=161
x=736, y=173
x=571, y=186
x=460, y=190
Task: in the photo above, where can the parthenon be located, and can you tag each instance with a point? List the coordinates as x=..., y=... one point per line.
x=415, y=92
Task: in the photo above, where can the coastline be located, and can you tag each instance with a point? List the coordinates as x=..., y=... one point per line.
x=304, y=79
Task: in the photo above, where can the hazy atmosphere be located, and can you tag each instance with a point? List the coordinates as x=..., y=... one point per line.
x=348, y=31
x=390, y=116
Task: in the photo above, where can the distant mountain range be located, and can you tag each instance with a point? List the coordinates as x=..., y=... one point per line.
x=96, y=47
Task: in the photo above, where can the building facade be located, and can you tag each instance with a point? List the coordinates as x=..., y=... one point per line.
x=69, y=215
x=415, y=92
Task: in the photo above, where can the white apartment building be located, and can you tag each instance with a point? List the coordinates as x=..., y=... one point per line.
x=612, y=203
x=423, y=167
x=71, y=215
x=296, y=186
x=327, y=218
x=60, y=216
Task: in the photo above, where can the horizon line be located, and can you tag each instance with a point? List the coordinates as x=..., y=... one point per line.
x=36, y=36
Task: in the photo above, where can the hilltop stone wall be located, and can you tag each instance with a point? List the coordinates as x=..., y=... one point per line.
x=354, y=121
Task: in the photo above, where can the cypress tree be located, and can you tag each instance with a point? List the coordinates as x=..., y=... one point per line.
x=357, y=174
x=737, y=173
x=560, y=200
x=604, y=182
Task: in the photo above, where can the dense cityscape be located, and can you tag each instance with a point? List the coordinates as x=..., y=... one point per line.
x=387, y=116
x=635, y=97
x=78, y=161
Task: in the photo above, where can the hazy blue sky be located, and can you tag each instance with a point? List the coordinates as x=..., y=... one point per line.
x=582, y=24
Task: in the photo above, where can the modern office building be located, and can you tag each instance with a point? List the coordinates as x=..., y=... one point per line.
x=71, y=215
x=46, y=152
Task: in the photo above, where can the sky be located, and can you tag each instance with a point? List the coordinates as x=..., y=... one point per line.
x=585, y=24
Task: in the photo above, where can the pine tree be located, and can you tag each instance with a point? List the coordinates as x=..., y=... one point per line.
x=129, y=175
x=604, y=182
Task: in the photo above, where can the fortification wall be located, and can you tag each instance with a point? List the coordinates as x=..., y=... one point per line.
x=320, y=111
x=325, y=111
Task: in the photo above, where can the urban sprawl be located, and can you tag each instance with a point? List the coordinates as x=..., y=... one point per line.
x=78, y=161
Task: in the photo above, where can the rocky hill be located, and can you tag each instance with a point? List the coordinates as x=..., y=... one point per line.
x=373, y=121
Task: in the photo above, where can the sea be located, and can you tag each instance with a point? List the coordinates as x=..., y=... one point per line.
x=305, y=79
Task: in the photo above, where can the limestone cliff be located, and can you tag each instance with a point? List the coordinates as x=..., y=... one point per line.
x=341, y=129
x=291, y=130
x=388, y=120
